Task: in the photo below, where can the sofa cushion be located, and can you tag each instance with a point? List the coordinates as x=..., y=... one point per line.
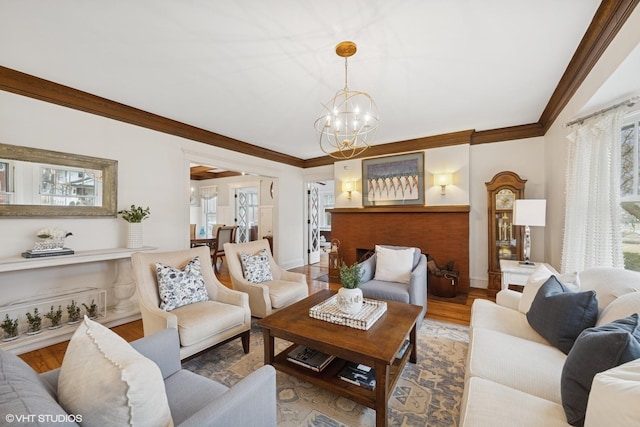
x=490, y=404
x=623, y=306
x=609, y=283
x=180, y=287
x=518, y=363
x=256, y=268
x=103, y=378
x=489, y=315
x=391, y=291
x=22, y=392
x=614, y=397
x=596, y=350
x=560, y=315
x=203, y=320
x=394, y=265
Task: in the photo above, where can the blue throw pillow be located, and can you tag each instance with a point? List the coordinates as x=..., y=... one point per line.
x=596, y=350
x=559, y=314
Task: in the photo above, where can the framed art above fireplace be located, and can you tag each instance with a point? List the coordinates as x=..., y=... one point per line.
x=393, y=180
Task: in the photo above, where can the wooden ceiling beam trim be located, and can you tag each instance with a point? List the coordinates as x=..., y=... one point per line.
x=435, y=141
x=507, y=133
x=45, y=90
x=607, y=21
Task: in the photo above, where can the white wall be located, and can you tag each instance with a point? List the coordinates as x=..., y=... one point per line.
x=153, y=170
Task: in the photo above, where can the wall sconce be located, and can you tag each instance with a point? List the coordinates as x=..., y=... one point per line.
x=443, y=179
x=348, y=187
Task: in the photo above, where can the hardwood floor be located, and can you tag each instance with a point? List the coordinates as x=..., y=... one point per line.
x=48, y=358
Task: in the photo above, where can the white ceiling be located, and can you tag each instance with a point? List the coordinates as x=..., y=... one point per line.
x=258, y=71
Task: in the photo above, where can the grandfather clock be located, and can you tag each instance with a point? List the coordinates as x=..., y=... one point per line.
x=505, y=239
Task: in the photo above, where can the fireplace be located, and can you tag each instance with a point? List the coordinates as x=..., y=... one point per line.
x=442, y=232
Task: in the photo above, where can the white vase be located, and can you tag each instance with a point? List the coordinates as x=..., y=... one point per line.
x=349, y=301
x=134, y=235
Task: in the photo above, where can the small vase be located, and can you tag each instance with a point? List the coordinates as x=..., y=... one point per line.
x=134, y=235
x=350, y=301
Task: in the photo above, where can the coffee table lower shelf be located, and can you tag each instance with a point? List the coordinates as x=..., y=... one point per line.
x=328, y=378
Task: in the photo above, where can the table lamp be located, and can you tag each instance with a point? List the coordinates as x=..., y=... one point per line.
x=530, y=213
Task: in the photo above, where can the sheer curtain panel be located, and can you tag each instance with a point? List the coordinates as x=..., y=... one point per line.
x=592, y=231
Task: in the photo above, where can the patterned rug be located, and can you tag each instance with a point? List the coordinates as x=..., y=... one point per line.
x=427, y=394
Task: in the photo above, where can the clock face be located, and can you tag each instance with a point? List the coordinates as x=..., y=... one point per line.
x=504, y=199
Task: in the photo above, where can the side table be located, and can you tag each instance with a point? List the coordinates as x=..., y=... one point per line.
x=515, y=274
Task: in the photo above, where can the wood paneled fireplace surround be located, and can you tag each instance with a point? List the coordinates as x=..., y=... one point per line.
x=440, y=231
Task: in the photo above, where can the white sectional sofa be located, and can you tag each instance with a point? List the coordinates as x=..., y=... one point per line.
x=514, y=375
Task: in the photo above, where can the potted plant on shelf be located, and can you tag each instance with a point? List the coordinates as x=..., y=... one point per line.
x=10, y=328
x=55, y=317
x=92, y=309
x=349, y=295
x=134, y=217
x=35, y=322
x=74, y=313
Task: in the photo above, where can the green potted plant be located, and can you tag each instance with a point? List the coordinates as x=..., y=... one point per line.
x=92, y=309
x=55, y=317
x=134, y=217
x=10, y=328
x=35, y=322
x=349, y=298
x=74, y=313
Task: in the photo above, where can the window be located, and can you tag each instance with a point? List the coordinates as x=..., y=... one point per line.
x=68, y=187
x=5, y=184
x=210, y=216
x=630, y=191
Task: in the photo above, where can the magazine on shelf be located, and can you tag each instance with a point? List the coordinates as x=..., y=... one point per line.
x=309, y=358
x=358, y=374
x=41, y=254
x=403, y=349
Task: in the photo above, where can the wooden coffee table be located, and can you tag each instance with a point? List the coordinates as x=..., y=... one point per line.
x=375, y=347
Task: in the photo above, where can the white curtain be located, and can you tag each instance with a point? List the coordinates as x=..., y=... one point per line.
x=208, y=192
x=592, y=231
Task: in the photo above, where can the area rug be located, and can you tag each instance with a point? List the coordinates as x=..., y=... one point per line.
x=427, y=394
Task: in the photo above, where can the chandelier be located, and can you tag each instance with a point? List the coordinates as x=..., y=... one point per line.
x=350, y=119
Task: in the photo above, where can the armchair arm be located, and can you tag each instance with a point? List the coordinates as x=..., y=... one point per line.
x=418, y=283
x=155, y=319
x=232, y=296
x=163, y=348
x=250, y=402
x=258, y=295
x=291, y=276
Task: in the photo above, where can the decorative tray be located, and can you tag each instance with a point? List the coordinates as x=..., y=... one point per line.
x=328, y=311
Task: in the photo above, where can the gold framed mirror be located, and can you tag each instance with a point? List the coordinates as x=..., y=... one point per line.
x=36, y=182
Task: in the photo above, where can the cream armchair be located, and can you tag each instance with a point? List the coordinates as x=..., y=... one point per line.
x=264, y=298
x=224, y=317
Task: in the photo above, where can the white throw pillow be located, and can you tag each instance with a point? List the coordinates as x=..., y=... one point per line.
x=394, y=265
x=180, y=287
x=623, y=306
x=108, y=382
x=540, y=275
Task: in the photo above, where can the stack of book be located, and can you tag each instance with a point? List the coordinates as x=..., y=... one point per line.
x=309, y=358
x=46, y=253
x=358, y=374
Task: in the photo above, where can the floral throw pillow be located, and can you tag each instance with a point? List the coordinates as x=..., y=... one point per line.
x=180, y=287
x=255, y=268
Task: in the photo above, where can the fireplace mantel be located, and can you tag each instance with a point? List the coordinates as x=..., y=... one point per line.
x=440, y=231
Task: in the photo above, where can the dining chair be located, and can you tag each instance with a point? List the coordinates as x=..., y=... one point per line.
x=225, y=234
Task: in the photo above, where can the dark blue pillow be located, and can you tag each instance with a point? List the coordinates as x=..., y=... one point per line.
x=559, y=314
x=596, y=350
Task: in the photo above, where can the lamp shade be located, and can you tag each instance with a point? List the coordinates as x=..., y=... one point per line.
x=443, y=179
x=348, y=185
x=531, y=212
